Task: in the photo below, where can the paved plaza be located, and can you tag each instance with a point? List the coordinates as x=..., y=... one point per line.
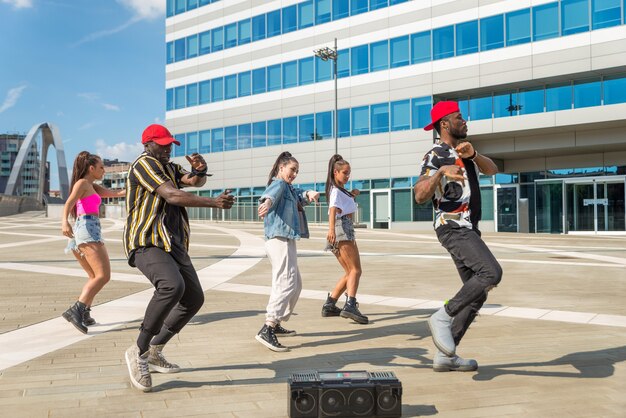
x=550, y=342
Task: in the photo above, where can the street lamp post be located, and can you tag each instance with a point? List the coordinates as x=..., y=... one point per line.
x=326, y=54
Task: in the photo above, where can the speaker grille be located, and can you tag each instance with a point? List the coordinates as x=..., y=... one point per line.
x=304, y=377
x=382, y=375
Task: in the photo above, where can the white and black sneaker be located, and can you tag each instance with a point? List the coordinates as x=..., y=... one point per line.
x=267, y=337
x=282, y=332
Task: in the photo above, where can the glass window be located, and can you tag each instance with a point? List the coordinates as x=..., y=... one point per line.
x=192, y=142
x=379, y=114
x=243, y=84
x=341, y=9
x=378, y=4
x=274, y=132
x=259, y=135
x=530, y=101
x=379, y=51
x=179, y=97
x=273, y=23
x=380, y=183
x=401, y=205
x=192, y=94
x=307, y=128
x=258, y=27
x=192, y=46
x=217, y=89
x=205, y=43
x=399, y=51
x=179, y=151
x=480, y=107
x=324, y=125
x=545, y=21
x=491, y=33
x=180, y=6
x=605, y=13
x=179, y=49
x=420, y=112
x=467, y=38
x=401, y=115
x=323, y=69
x=574, y=16
x=230, y=86
x=305, y=71
x=169, y=99
x=230, y=35
x=358, y=6
x=290, y=130
x=587, y=93
x=230, y=138
x=360, y=120
x=343, y=63
x=420, y=47
x=205, y=2
x=614, y=90
x=443, y=42
x=192, y=4
x=217, y=39
x=518, y=27
x=217, y=140
x=290, y=18
x=204, y=88
x=169, y=8
x=273, y=77
x=205, y=142
x=305, y=14
x=464, y=107
x=322, y=11
x=505, y=104
x=558, y=97
x=169, y=52
x=290, y=74
x=343, y=122
x=359, y=60
x=258, y=81
x=243, y=29
x=244, y=136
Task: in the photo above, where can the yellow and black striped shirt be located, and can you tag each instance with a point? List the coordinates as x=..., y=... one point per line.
x=146, y=210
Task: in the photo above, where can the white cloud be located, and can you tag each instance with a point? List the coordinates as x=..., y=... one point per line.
x=86, y=126
x=12, y=97
x=145, y=9
x=90, y=97
x=108, y=106
x=95, y=98
x=123, y=151
x=19, y=4
x=107, y=32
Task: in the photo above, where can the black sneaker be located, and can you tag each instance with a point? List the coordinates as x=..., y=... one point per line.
x=352, y=311
x=87, y=319
x=282, y=332
x=74, y=315
x=329, y=308
x=267, y=337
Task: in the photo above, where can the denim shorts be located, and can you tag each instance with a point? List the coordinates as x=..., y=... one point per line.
x=344, y=231
x=86, y=229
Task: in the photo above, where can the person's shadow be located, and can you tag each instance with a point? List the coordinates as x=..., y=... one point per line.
x=590, y=365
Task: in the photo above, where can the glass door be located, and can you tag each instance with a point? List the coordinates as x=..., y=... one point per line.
x=505, y=208
x=549, y=206
x=595, y=204
x=615, y=210
x=380, y=208
x=581, y=206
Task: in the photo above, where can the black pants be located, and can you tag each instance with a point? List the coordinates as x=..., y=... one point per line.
x=479, y=271
x=178, y=295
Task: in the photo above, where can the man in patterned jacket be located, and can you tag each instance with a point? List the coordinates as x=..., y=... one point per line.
x=449, y=176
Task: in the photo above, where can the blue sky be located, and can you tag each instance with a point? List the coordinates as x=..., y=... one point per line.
x=94, y=68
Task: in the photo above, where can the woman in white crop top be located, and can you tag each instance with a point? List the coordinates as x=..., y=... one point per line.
x=341, y=241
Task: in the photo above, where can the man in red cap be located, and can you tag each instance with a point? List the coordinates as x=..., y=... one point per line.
x=156, y=241
x=449, y=176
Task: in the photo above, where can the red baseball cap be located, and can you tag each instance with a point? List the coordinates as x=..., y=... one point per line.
x=440, y=110
x=158, y=134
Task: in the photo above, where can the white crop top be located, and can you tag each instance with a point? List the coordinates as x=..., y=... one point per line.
x=341, y=200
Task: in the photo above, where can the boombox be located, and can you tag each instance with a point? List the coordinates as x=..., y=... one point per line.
x=344, y=394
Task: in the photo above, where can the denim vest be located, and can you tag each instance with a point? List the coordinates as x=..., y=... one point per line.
x=283, y=218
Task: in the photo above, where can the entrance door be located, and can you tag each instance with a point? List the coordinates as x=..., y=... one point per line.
x=581, y=204
x=595, y=205
x=505, y=210
x=380, y=209
x=549, y=206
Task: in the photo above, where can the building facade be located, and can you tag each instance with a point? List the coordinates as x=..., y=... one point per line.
x=28, y=183
x=541, y=83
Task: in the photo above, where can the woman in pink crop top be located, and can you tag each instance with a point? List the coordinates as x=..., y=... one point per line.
x=86, y=236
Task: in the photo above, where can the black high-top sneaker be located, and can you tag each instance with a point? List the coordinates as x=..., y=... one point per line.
x=87, y=319
x=74, y=315
x=351, y=310
x=267, y=337
x=283, y=332
x=330, y=308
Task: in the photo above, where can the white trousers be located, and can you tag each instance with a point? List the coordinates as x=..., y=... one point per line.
x=286, y=279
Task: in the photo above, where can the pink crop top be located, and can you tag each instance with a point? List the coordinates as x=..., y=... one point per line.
x=89, y=204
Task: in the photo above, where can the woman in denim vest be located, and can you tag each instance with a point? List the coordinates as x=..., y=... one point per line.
x=285, y=222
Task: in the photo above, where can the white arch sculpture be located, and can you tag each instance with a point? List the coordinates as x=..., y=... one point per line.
x=50, y=136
